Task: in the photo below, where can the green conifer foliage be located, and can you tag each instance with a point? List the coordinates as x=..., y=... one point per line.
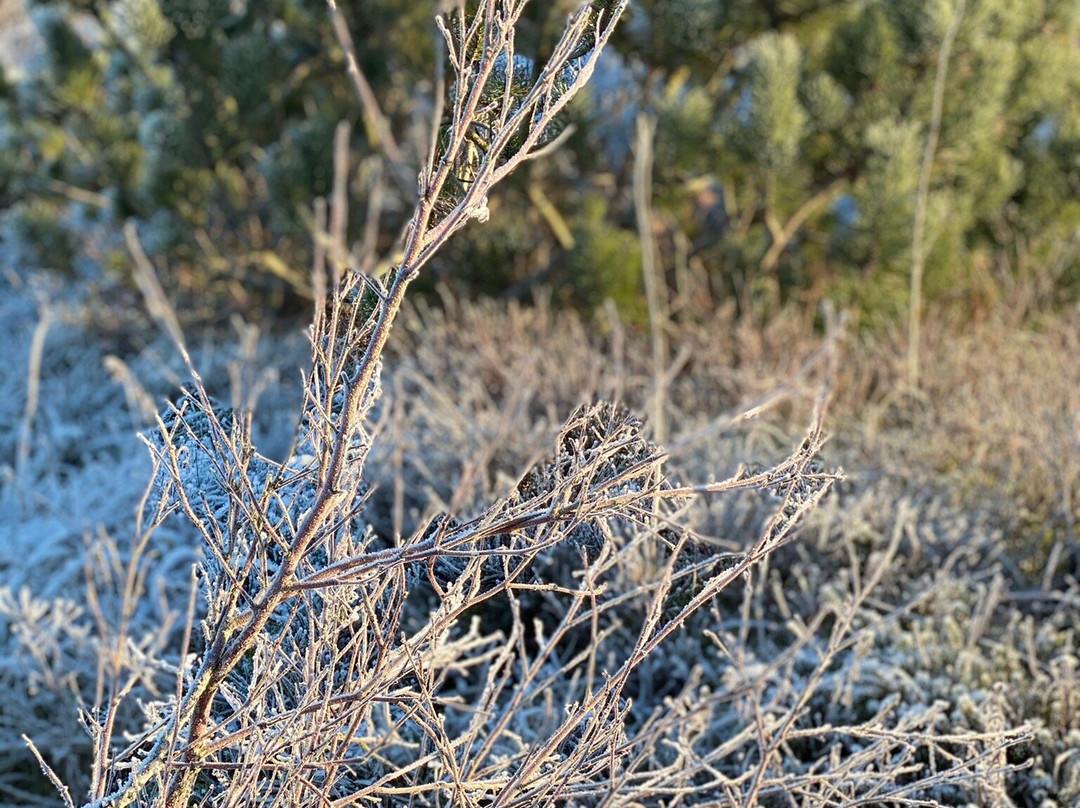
x=814, y=119
x=606, y=263
x=199, y=118
x=195, y=19
x=140, y=26
x=775, y=116
x=791, y=138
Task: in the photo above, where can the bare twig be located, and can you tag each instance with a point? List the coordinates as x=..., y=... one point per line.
x=377, y=128
x=33, y=388
x=50, y=774
x=655, y=287
x=783, y=234
x=339, y=204
x=348, y=341
x=922, y=196
x=157, y=302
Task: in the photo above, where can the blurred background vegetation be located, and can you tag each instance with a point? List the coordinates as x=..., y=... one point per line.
x=790, y=141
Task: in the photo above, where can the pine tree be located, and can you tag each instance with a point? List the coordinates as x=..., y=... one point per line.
x=815, y=126
x=791, y=139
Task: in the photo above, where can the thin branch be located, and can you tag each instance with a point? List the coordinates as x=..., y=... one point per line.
x=655, y=286
x=157, y=302
x=376, y=126
x=922, y=197
x=57, y=783
x=33, y=389
x=783, y=234
x=339, y=204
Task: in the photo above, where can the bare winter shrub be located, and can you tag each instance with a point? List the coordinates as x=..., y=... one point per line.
x=312, y=677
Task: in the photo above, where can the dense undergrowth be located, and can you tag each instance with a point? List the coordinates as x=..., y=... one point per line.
x=938, y=580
